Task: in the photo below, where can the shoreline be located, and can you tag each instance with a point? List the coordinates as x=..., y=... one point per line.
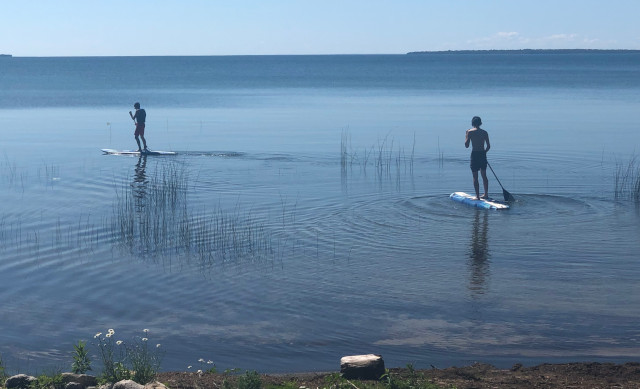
x=479, y=375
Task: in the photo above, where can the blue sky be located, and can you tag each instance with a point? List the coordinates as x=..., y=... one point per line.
x=211, y=27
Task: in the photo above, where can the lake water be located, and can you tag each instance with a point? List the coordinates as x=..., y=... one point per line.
x=306, y=215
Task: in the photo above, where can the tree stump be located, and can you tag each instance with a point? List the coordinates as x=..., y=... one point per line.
x=362, y=367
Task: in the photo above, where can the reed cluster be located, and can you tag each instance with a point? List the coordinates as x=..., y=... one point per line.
x=627, y=180
x=383, y=156
x=154, y=218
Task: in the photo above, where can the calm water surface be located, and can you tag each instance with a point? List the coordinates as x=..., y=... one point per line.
x=275, y=253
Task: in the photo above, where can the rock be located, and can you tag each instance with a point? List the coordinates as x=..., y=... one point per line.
x=363, y=367
x=83, y=379
x=155, y=385
x=73, y=385
x=20, y=381
x=127, y=384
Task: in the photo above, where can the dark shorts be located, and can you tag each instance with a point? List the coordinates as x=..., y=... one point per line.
x=478, y=160
x=139, y=129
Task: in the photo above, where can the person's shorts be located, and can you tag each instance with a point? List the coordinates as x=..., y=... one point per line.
x=139, y=129
x=478, y=160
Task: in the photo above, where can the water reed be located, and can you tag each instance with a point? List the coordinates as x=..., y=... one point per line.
x=627, y=180
x=385, y=156
x=154, y=218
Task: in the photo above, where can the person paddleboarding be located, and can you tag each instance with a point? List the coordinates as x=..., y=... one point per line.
x=478, y=139
x=139, y=119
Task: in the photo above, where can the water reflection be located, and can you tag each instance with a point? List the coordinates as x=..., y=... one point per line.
x=140, y=181
x=479, y=255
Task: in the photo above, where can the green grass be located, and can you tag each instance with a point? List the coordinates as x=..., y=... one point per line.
x=627, y=180
x=155, y=218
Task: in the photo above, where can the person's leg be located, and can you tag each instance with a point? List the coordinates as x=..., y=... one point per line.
x=485, y=182
x=144, y=142
x=138, y=142
x=476, y=184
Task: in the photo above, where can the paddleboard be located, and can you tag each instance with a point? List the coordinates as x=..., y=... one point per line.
x=468, y=199
x=135, y=152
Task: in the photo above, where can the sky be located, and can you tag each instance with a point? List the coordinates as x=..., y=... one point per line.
x=258, y=27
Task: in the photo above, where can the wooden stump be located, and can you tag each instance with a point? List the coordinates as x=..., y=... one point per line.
x=362, y=367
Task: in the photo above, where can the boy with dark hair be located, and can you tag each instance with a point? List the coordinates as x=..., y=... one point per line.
x=139, y=118
x=478, y=138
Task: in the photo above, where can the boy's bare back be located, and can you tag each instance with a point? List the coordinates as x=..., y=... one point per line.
x=478, y=137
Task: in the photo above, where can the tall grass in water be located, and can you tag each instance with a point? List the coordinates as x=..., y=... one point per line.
x=154, y=218
x=381, y=155
x=627, y=180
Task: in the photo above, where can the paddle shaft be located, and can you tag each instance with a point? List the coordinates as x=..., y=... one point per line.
x=494, y=174
x=507, y=196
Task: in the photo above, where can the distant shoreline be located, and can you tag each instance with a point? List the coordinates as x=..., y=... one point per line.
x=528, y=51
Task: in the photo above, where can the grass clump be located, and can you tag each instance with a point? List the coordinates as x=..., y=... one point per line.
x=45, y=381
x=135, y=361
x=250, y=380
x=627, y=180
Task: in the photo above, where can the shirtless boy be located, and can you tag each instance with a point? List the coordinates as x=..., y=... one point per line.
x=478, y=138
x=139, y=118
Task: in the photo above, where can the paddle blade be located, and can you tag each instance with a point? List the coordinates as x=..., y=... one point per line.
x=507, y=196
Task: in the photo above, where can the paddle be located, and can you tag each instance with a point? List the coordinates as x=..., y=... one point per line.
x=507, y=196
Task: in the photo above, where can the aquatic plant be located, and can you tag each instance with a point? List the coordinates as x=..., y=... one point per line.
x=627, y=180
x=385, y=156
x=154, y=218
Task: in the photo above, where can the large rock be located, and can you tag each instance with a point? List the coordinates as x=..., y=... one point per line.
x=155, y=385
x=83, y=379
x=127, y=384
x=20, y=381
x=362, y=367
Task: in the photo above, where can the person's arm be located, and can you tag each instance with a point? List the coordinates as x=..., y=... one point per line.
x=467, y=139
x=133, y=116
x=488, y=143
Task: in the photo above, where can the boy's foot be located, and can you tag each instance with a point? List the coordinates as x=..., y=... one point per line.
x=484, y=196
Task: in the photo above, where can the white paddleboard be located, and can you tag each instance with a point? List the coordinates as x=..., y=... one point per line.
x=468, y=199
x=135, y=152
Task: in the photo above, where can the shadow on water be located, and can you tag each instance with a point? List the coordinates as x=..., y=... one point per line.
x=479, y=254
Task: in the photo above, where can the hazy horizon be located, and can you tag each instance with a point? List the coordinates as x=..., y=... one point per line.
x=288, y=27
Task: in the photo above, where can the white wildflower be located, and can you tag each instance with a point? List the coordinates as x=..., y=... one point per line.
x=111, y=331
x=109, y=335
x=146, y=330
x=209, y=362
x=119, y=342
x=157, y=345
x=144, y=339
x=199, y=372
x=97, y=335
x=201, y=360
x=189, y=367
